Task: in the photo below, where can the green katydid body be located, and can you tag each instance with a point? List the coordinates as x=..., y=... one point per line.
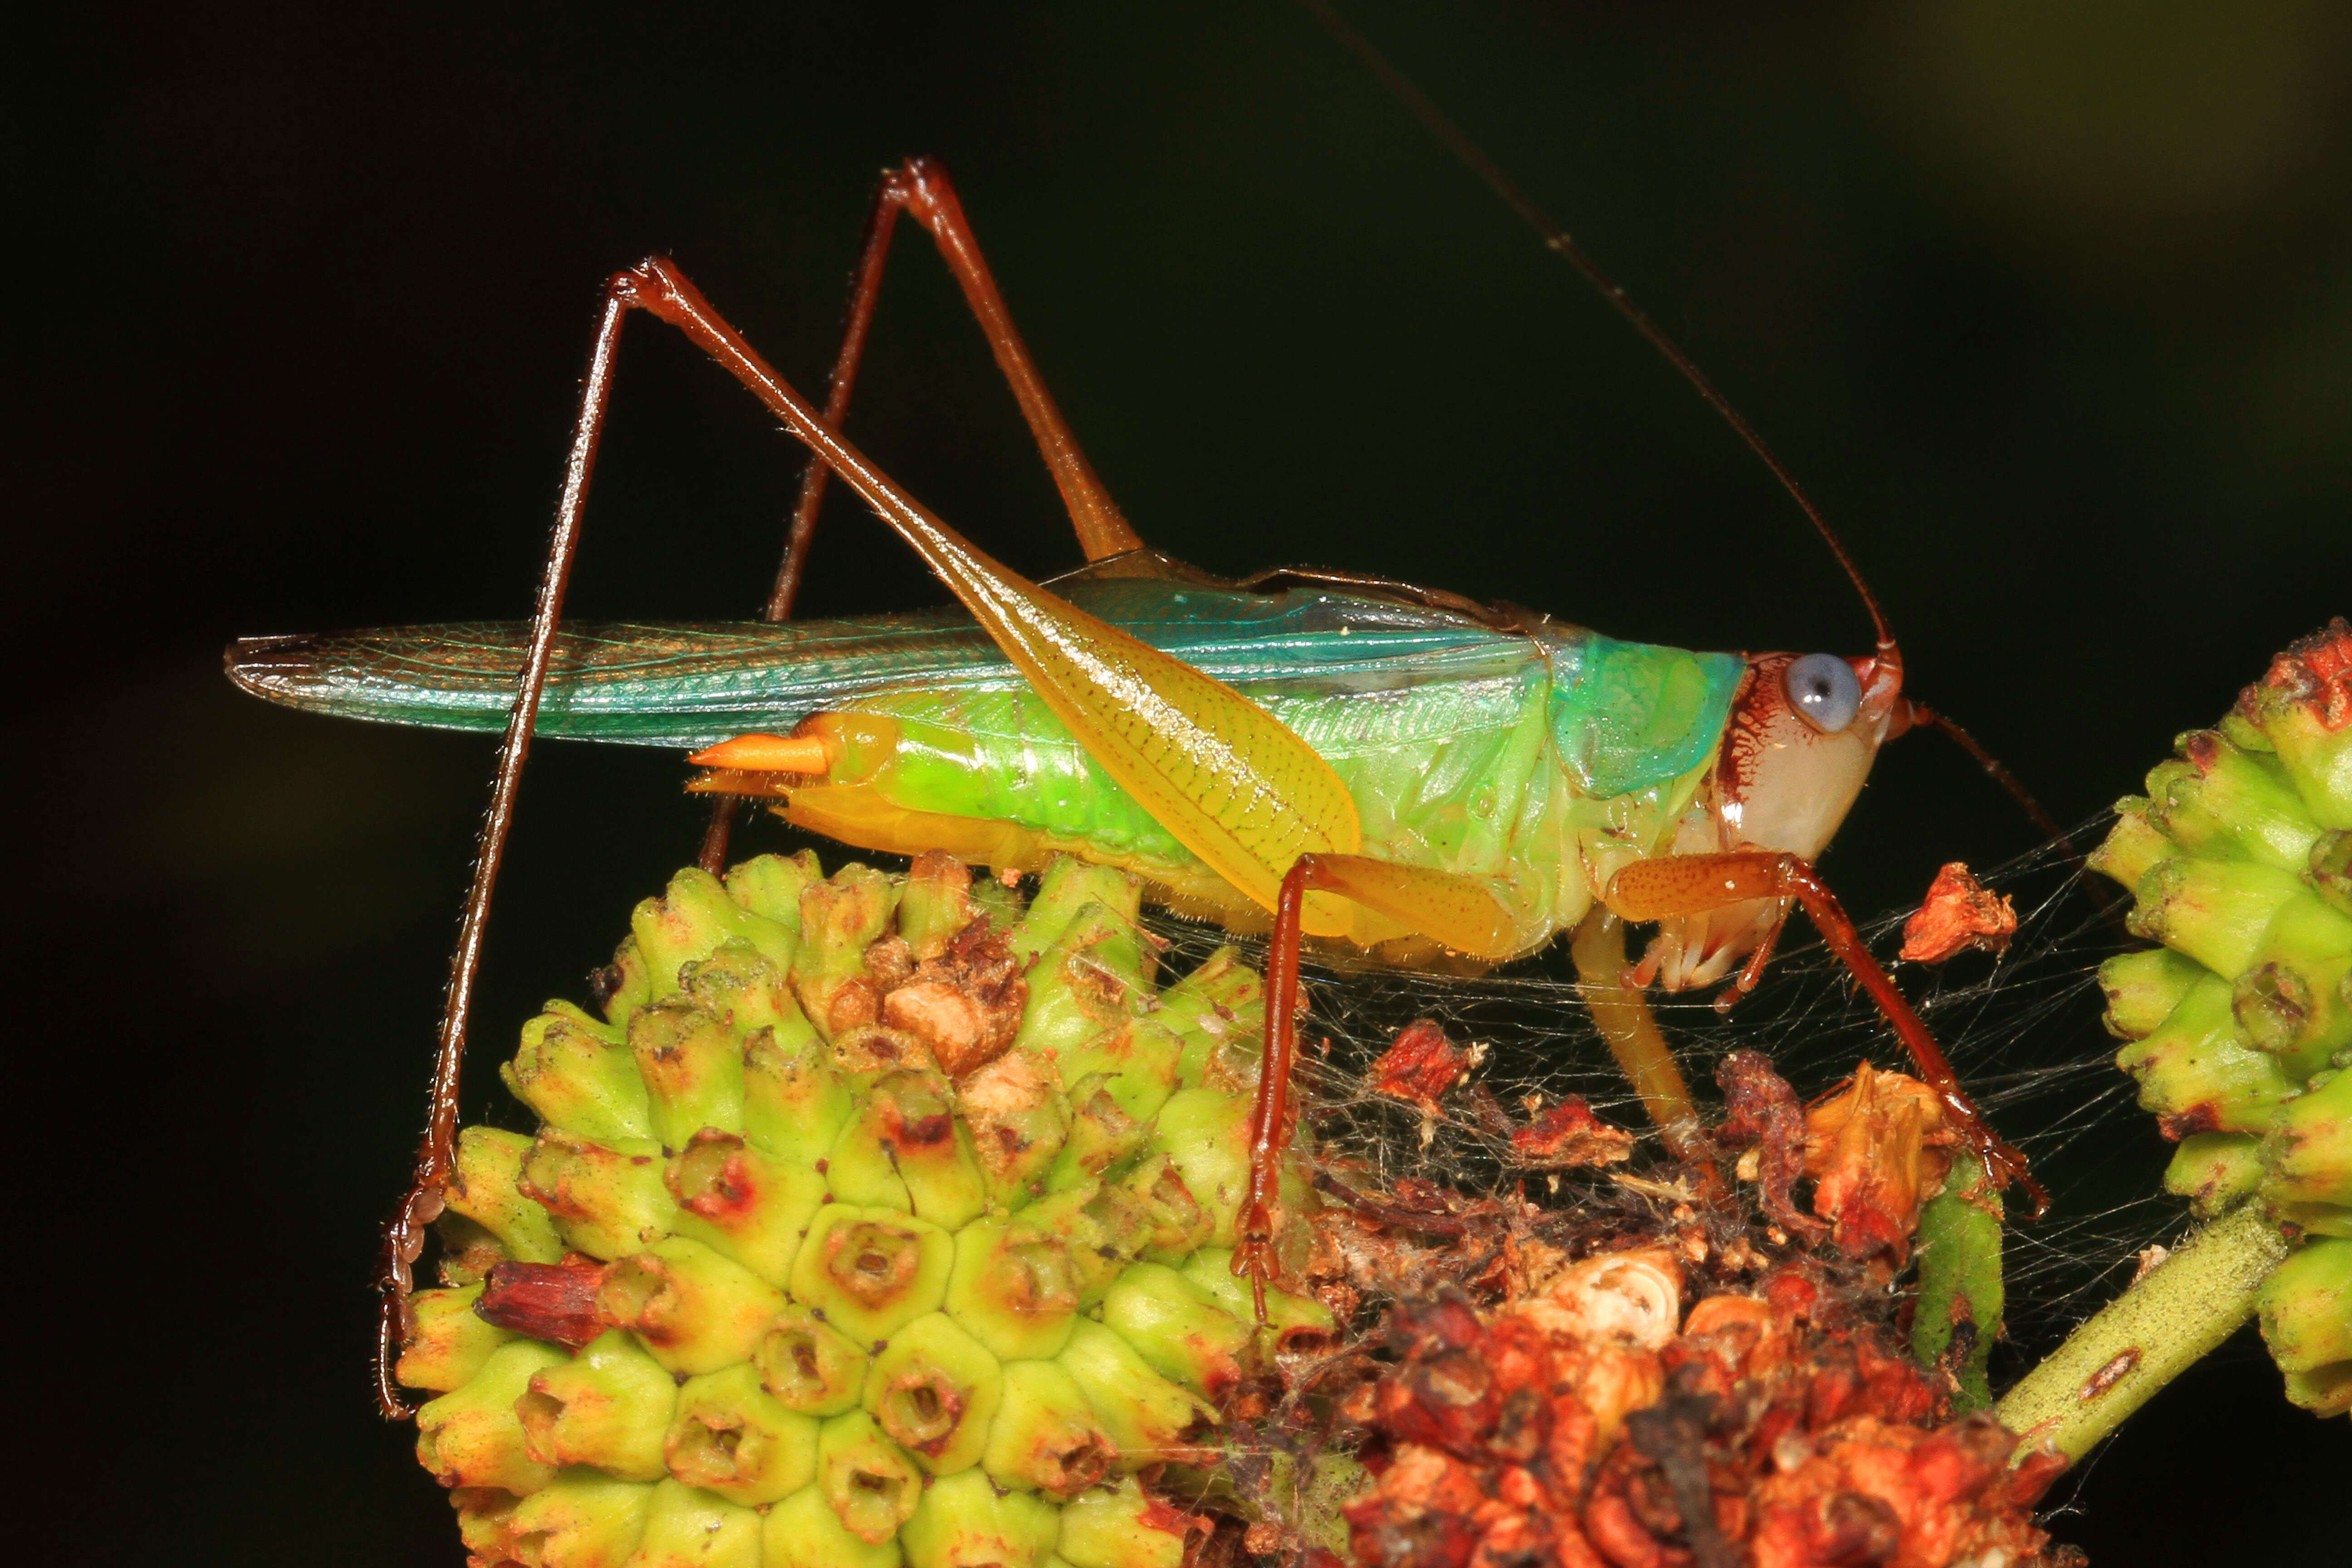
x=1533, y=759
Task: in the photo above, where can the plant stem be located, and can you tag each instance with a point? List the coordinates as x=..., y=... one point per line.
x=2149, y=1335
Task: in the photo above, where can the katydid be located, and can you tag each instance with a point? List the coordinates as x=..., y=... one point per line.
x=1342, y=758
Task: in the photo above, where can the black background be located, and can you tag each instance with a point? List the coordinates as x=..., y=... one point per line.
x=2054, y=317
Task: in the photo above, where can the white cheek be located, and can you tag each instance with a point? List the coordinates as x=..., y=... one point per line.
x=1803, y=786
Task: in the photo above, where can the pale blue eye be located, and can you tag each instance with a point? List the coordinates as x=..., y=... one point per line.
x=1822, y=687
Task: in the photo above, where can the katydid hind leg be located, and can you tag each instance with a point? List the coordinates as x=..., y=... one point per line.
x=404, y=1232
x=920, y=188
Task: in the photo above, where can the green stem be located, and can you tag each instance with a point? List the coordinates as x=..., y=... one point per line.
x=2148, y=1336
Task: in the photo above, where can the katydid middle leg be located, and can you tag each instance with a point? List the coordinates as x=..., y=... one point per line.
x=1469, y=914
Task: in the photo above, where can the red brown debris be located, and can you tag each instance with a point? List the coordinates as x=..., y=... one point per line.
x=2315, y=674
x=1958, y=914
x=1765, y=1114
x=1569, y=1134
x=551, y=1301
x=1760, y=1430
x=1419, y=1066
x=1876, y=1149
x=965, y=1003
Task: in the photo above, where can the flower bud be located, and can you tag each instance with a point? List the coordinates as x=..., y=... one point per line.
x=794, y=1104
x=484, y=1520
x=1138, y=1060
x=2218, y=800
x=904, y=1149
x=1205, y=1134
x=732, y=1437
x=607, y=1406
x=483, y=1189
x=740, y=985
x=933, y=1390
x=1019, y=1120
x=802, y=1532
x=839, y=918
x=2195, y=1074
x=2143, y=988
x=581, y=1520
x=1045, y=1437
x=869, y=1480
x=1102, y=1134
x=695, y=1310
x=2215, y=1170
x=470, y=1437
x=1013, y=1287
x=623, y=985
x=1150, y=1418
x=2309, y=1150
x=2323, y=1391
x=963, y=1521
x=1176, y=1225
x=871, y=1271
x=2293, y=705
x=2216, y=911
x=934, y=903
x=1067, y=885
x=1178, y=1331
x=1100, y=1229
x=2329, y=869
x=605, y=1201
x=2294, y=997
x=809, y=1365
x=692, y=1066
x=1219, y=1012
x=693, y=916
x=2133, y=846
x=449, y=1343
x=686, y=1528
x=2306, y=1305
x=742, y=1204
x=769, y=886
x=1095, y=975
x=1211, y=1272
x=578, y=1074
x=1122, y=1527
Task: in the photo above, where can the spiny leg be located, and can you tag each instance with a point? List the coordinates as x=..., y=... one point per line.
x=1464, y=913
x=403, y=1233
x=1689, y=884
x=920, y=186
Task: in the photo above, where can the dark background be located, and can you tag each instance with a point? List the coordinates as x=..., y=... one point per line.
x=2054, y=315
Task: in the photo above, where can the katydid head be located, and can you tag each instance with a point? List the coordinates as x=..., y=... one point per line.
x=1803, y=731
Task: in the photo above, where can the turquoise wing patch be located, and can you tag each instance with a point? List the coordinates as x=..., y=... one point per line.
x=1628, y=715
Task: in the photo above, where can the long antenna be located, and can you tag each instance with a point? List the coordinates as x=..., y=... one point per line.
x=1557, y=239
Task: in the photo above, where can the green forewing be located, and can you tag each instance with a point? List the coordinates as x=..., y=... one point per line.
x=1624, y=715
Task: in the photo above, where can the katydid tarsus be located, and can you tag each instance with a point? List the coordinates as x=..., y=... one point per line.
x=1341, y=758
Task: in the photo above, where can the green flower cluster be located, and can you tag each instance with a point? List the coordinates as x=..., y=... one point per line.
x=2239, y=862
x=877, y=1220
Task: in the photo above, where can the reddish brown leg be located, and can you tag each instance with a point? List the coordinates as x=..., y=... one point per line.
x=403, y=1233
x=1270, y=1117
x=1686, y=884
x=922, y=187
x=657, y=287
